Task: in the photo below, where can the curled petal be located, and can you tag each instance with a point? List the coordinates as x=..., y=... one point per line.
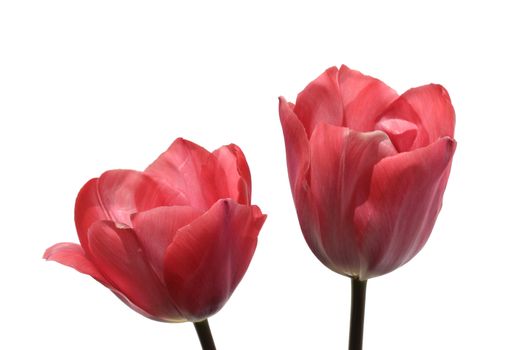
x=208, y=258
x=121, y=260
x=402, y=133
x=430, y=108
x=405, y=198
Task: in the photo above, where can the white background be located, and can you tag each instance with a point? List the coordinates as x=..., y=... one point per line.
x=87, y=86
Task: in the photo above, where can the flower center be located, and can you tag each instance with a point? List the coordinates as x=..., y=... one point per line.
x=401, y=132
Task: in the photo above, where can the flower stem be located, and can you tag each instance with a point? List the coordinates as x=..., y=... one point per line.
x=205, y=335
x=358, y=297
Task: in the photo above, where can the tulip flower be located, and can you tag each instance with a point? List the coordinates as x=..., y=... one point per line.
x=368, y=169
x=172, y=242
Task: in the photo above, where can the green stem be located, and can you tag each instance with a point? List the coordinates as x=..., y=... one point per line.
x=205, y=335
x=358, y=297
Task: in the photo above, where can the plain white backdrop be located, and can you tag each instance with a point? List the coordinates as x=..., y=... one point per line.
x=87, y=86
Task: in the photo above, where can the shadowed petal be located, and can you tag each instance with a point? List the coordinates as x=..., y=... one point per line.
x=341, y=168
x=121, y=260
x=405, y=197
x=208, y=258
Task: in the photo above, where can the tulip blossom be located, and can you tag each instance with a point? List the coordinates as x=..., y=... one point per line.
x=172, y=242
x=368, y=169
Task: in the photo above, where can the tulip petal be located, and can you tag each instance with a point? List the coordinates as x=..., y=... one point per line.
x=405, y=197
x=232, y=162
x=119, y=257
x=182, y=167
x=225, y=174
x=208, y=258
x=297, y=154
x=320, y=102
x=156, y=228
x=342, y=161
x=124, y=192
x=402, y=133
x=116, y=195
x=88, y=209
x=73, y=255
x=430, y=108
x=307, y=211
x=364, y=98
x=296, y=144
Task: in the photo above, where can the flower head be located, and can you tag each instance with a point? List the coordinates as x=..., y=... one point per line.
x=368, y=168
x=173, y=241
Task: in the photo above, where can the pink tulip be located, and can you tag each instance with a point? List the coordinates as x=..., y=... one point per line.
x=172, y=242
x=368, y=168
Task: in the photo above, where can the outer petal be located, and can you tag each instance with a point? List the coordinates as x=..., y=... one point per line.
x=71, y=254
x=207, y=259
x=341, y=167
x=296, y=144
x=364, y=98
x=320, y=102
x=121, y=260
x=297, y=153
x=88, y=209
x=181, y=167
x=430, y=108
x=405, y=197
x=156, y=228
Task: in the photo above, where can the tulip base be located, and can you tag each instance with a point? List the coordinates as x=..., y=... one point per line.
x=205, y=335
x=358, y=297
